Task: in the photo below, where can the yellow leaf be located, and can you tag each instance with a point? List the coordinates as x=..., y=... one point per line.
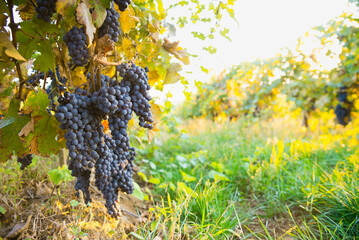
x=128, y=20
x=153, y=77
x=127, y=48
x=177, y=51
x=10, y=50
x=172, y=75
x=109, y=71
x=78, y=76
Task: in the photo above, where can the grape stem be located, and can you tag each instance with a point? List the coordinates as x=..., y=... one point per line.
x=105, y=63
x=92, y=62
x=13, y=27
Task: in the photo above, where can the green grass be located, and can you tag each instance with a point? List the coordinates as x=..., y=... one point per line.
x=237, y=181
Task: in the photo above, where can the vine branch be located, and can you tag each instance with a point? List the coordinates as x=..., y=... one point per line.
x=13, y=27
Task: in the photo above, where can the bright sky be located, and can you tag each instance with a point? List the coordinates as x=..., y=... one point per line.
x=264, y=27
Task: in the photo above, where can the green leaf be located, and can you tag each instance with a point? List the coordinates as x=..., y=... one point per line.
x=154, y=181
x=2, y=210
x=6, y=121
x=36, y=104
x=46, y=128
x=46, y=59
x=137, y=236
x=224, y=33
x=210, y=49
x=205, y=70
x=7, y=92
x=74, y=203
x=61, y=174
x=199, y=35
x=181, y=186
x=99, y=12
x=162, y=185
x=137, y=193
x=55, y=176
x=143, y=176
x=217, y=176
x=187, y=178
x=10, y=141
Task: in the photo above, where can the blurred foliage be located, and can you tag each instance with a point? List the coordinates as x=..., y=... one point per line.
x=251, y=87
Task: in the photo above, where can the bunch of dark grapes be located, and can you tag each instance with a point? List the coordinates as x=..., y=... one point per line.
x=111, y=25
x=343, y=108
x=89, y=147
x=25, y=161
x=34, y=79
x=76, y=42
x=136, y=79
x=123, y=4
x=45, y=9
x=74, y=116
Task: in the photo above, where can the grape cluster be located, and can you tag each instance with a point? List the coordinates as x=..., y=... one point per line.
x=45, y=9
x=136, y=79
x=25, y=161
x=81, y=114
x=76, y=42
x=34, y=79
x=343, y=108
x=111, y=25
x=123, y=4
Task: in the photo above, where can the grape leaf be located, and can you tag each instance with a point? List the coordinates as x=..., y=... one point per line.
x=46, y=128
x=78, y=76
x=137, y=193
x=29, y=127
x=9, y=140
x=67, y=8
x=63, y=6
x=128, y=20
x=127, y=48
x=3, y=19
x=177, y=51
x=210, y=49
x=36, y=104
x=224, y=33
x=84, y=17
x=153, y=77
x=6, y=121
x=3, y=7
x=172, y=75
x=99, y=11
x=199, y=35
x=46, y=60
x=10, y=50
x=26, y=10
